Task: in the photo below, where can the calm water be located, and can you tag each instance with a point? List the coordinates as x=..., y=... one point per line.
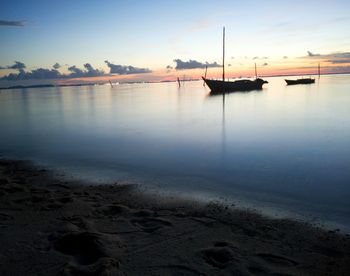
x=283, y=149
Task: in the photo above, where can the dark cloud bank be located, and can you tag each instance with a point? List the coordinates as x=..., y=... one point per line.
x=125, y=70
x=334, y=58
x=75, y=72
x=193, y=64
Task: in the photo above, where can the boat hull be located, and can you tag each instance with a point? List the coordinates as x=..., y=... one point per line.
x=300, y=81
x=217, y=86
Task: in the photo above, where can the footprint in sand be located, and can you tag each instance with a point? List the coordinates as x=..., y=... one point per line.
x=218, y=256
x=221, y=255
x=150, y=225
x=85, y=247
x=114, y=210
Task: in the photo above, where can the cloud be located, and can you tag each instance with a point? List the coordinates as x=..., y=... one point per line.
x=18, y=65
x=40, y=73
x=6, y=23
x=125, y=70
x=259, y=58
x=264, y=64
x=169, y=67
x=337, y=61
x=56, y=66
x=80, y=73
x=339, y=69
x=75, y=71
x=193, y=64
x=310, y=54
x=43, y=73
x=285, y=57
x=335, y=58
x=92, y=72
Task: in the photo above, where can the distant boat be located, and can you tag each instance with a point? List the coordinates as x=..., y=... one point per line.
x=304, y=80
x=300, y=81
x=222, y=86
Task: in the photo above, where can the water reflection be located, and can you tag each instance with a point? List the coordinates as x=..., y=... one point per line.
x=273, y=146
x=223, y=128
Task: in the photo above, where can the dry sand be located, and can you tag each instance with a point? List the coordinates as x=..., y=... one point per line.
x=52, y=227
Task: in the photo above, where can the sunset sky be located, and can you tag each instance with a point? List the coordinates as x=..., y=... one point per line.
x=161, y=40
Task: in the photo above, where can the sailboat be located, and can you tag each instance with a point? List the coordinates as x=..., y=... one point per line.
x=222, y=86
x=300, y=81
x=303, y=80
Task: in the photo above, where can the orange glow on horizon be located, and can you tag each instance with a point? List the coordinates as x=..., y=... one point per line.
x=214, y=73
x=295, y=66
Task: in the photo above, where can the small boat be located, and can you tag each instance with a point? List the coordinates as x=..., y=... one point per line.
x=304, y=80
x=222, y=86
x=300, y=81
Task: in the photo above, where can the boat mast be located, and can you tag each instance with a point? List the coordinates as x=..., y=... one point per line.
x=256, y=74
x=223, y=55
x=205, y=75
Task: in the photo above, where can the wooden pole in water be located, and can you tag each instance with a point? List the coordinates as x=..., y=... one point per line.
x=223, y=55
x=256, y=74
x=178, y=81
x=319, y=70
x=110, y=83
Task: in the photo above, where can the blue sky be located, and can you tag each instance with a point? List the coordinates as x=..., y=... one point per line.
x=151, y=34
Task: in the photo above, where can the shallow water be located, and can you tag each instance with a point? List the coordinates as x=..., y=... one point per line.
x=282, y=149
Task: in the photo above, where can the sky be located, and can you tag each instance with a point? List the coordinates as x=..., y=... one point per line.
x=162, y=40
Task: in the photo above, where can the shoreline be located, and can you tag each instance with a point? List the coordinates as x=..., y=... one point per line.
x=50, y=226
x=259, y=203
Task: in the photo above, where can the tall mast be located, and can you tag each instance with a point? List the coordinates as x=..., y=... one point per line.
x=223, y=55
x=205, y=75
x=256, y=74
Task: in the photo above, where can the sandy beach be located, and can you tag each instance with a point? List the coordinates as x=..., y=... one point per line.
x=50, y=226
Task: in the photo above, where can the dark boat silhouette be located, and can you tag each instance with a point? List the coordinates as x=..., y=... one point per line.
x=219, y=86
x=300, y=81
x=222, y=86
x=304, y=80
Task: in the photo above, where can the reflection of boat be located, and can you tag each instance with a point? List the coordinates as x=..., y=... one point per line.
x=222, y=86
x=300, y=81
x=219, y=86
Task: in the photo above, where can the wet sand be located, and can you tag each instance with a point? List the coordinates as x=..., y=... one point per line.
x=50, y=226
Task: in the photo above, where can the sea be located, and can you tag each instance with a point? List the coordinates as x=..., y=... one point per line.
x=282, y=151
